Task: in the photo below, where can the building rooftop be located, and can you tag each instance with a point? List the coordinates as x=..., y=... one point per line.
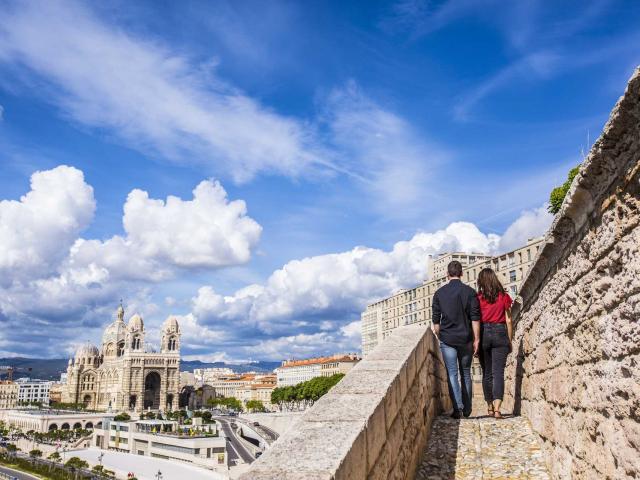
x=319, y=360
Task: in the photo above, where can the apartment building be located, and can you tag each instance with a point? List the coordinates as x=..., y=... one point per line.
x=8, y=394
x=228, y=386
x=371, y=327
x=208, y=375
x=412, y=306
x=437, y=266
x=55, y=392
x=293, y=372
x=260, y=389
x=33, y=391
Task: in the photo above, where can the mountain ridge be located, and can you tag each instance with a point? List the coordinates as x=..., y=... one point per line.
x=51, y=368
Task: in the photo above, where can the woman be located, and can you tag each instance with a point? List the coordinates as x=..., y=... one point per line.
x=496, y=333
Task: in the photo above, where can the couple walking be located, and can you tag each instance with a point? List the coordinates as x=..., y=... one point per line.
x=470, y=324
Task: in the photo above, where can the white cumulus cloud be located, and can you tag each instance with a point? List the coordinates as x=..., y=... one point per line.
x=530, y=224
x=208, y=231
x=339, y=282
x=37, y=230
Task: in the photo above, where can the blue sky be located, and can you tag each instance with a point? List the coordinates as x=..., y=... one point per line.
x=339, y=144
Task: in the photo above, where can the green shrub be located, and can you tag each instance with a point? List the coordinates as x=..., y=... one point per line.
x=557, y=194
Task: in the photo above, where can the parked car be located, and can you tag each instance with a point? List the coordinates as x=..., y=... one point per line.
x=258, y=454
x=256, y=424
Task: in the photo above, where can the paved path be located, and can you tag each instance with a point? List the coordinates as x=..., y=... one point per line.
x=481, y=448
x=16, y=474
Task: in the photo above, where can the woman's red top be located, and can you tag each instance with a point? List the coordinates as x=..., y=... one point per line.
x=495, y=312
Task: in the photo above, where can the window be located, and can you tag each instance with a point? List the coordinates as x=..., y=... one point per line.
x=512, y=276
x=528, y=255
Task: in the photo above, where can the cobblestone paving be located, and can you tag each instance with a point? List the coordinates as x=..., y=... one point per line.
x=482, y=448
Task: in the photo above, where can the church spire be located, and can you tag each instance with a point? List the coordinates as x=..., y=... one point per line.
x=120, y=312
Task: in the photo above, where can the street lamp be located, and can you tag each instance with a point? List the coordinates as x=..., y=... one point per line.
x=100, y=458
x=159, y=475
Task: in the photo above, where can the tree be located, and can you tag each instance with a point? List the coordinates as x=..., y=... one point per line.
x=228, y=403
x=11, y=448
x=305, y=393
x=255, y=406
x=35, y=453
x=557, y=194
x=206, y=416
x=75, y=463
x=55, y=457
x=122, y=417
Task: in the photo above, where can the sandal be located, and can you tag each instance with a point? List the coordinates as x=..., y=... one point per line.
x=490, y=411
x=497, y=415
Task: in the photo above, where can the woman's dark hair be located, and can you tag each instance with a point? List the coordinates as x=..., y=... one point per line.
x=489, y=285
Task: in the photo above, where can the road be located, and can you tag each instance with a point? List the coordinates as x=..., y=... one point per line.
x=267, y=433
x=16, y=474
x=235, y=446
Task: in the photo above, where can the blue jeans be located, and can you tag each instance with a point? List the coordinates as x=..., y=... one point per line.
x=459, y=358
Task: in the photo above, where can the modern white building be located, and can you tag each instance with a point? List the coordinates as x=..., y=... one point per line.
x=43, y=421
x=198, y=444
x=293, y=372
x=33, y=391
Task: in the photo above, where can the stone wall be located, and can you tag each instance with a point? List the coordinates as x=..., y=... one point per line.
x=373, y=425
x=575, y=373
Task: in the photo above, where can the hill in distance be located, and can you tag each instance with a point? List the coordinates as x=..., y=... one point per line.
x=51, y=368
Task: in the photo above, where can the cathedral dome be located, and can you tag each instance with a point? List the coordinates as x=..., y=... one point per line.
x=136, y=324
x=171, y=325
x=87, y=351
x=114, y=332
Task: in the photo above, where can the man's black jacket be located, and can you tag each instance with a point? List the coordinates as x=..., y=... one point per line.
x=455, y=306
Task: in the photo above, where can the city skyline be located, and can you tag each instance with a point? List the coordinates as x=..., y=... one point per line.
x=199, y=161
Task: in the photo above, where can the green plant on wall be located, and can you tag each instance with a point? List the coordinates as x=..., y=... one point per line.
x=557, y=194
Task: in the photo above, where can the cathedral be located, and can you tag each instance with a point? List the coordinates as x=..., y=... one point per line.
x=127, y=374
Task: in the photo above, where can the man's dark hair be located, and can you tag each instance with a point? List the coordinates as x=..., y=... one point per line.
x=454, y=269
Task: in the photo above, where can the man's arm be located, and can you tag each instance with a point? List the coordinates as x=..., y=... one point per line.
x=436, y=314
x=476, y=316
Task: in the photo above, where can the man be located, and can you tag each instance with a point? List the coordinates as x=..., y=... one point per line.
x=456, y=323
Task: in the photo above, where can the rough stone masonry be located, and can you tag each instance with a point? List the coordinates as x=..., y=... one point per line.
x=575, y=372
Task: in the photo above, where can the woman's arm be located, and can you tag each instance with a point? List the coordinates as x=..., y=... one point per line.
x=507, y=313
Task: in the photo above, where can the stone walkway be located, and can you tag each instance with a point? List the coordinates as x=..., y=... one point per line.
x=482, y=448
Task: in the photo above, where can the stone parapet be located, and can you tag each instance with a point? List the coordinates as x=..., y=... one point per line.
x=374, y=424
x=575, y=370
